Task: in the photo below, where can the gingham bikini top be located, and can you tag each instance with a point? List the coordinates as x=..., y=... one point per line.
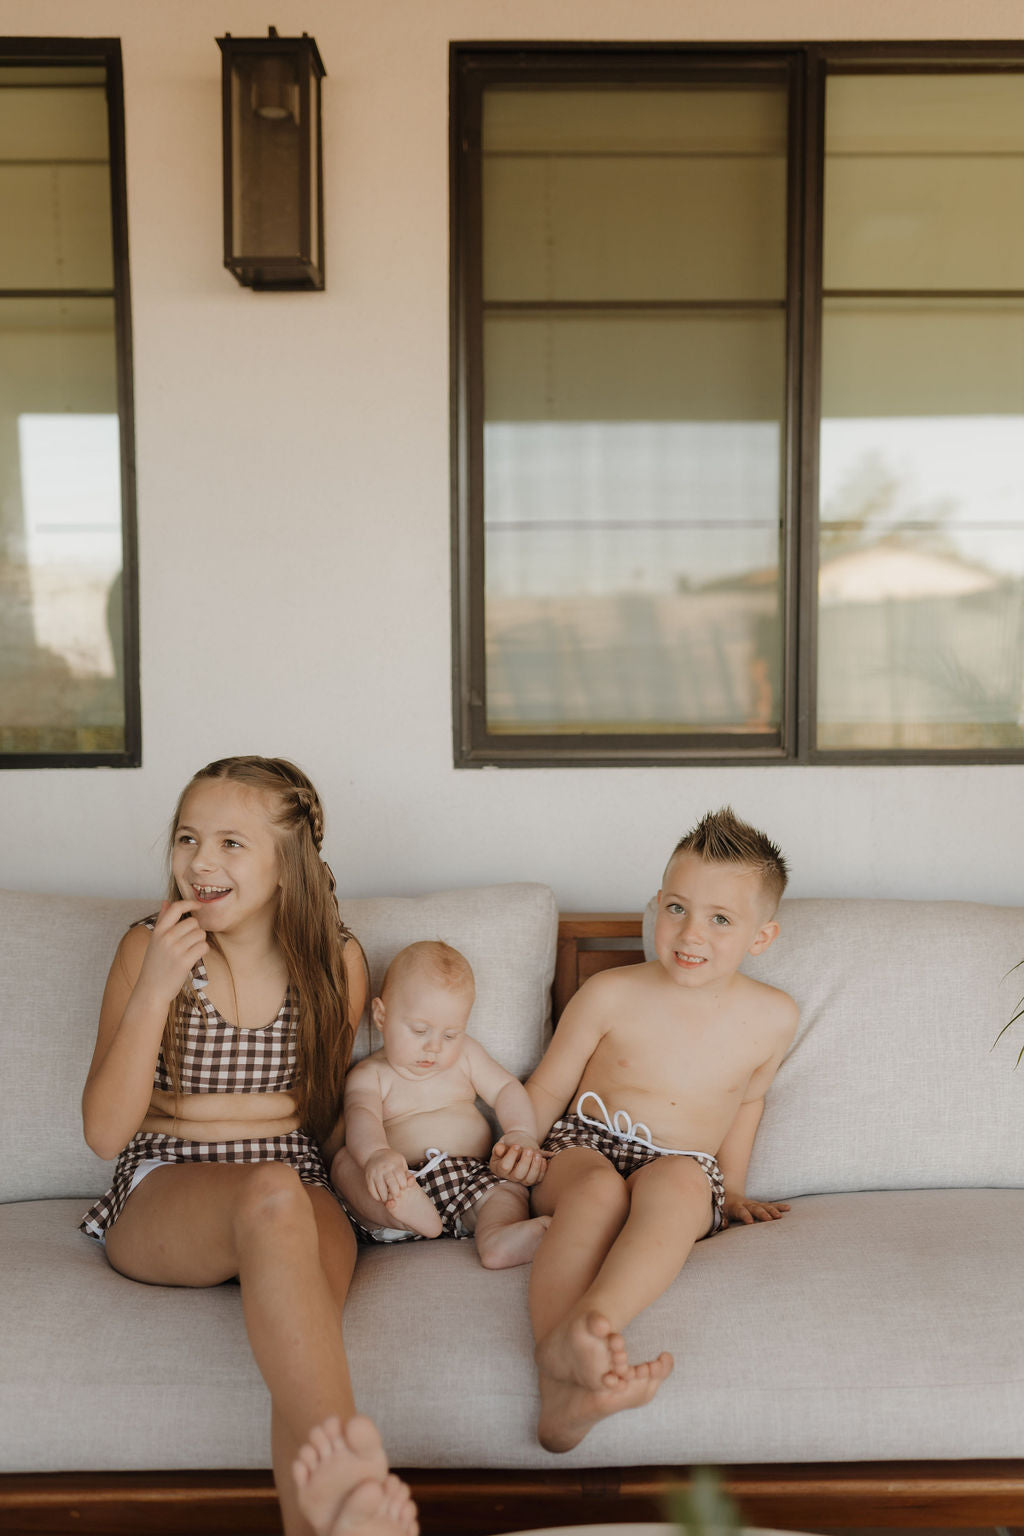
x=221, y=1058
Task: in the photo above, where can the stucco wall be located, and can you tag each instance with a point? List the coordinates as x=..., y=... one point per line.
x=294, y=499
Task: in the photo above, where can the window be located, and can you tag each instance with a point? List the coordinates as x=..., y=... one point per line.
x=69, y=689
x=738, y=404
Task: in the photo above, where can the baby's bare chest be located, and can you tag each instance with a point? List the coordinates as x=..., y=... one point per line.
x=448, y=1090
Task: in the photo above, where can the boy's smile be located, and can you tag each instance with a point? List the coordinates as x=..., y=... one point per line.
x=709, y=917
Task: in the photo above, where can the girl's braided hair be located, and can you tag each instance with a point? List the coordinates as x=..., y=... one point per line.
x=309, y=930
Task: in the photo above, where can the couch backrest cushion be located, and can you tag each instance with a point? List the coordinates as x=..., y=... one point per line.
x=507, y=933
x=55, y=952
x=892, y=1081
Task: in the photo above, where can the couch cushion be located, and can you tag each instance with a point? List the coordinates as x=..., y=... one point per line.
x=892, y=1082
x=55, y=952
x=860, y=1327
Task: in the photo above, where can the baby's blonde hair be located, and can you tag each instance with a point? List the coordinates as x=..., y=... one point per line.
x=721, y=837
x=435, y=960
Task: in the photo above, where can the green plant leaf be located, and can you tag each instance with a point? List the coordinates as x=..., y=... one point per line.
x=1013, y=1018
x=703, y=1508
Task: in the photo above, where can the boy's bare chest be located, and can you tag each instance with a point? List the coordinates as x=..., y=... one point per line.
x=698, y=1056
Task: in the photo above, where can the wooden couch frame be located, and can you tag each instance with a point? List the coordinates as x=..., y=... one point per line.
x=811, y=1497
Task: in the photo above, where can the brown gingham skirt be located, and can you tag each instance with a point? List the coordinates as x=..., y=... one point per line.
x=453, y=1183
x=295, y=1148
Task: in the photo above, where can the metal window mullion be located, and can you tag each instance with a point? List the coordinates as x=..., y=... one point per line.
x=812, y=151
x=468, y=634
x=789, y=550
x=126, y=413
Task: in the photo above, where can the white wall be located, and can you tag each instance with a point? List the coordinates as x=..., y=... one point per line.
x=294, y=499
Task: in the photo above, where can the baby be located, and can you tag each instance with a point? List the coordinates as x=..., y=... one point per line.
x=650, y=1095
x=414, y=1160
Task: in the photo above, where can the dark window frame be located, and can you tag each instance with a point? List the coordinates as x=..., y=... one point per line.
x=105, y=52
x=475, y=66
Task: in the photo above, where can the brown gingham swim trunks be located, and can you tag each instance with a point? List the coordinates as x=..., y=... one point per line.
x=618, y=1139
x=453, y=1183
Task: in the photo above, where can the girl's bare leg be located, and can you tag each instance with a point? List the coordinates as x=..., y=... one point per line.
x=342, y=1481
x=292, y=1251
x=337, y=1259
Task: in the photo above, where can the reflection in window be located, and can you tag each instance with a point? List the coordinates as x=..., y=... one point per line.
x=634, y=388
x=615, y=599
x=739, y=403
x=921, y=485
x=68, y=683
x=921, y=586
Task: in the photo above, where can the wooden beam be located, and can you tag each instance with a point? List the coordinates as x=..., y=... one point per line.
x=482, y=1503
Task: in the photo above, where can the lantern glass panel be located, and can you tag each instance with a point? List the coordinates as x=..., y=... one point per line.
x=267, y=151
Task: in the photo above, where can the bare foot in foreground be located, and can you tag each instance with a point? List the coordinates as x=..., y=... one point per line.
x=568, y=1411
x=516, y=1243
x=414, y=1209
x=343, y=1483
x=583, y=1350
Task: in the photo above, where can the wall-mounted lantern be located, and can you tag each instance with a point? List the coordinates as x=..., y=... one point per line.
x=273, y=161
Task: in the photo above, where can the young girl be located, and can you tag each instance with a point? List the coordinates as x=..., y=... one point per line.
x=220, y=1119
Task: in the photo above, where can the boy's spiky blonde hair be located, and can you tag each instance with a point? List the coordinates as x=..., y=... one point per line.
x=721, y=837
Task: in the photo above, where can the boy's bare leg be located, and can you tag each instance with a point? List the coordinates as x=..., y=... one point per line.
x=505, y=1233
x=670, y=1210
x=583, y=1371
x=343, y=1484
x=413, y=1209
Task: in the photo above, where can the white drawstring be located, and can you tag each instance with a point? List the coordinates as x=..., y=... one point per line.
x=624, y=1129
x=434, y=1159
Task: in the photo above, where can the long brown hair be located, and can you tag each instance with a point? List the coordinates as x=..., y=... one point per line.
x=309, y=930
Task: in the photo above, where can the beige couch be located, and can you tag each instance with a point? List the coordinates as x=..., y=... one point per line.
x=878, y=1327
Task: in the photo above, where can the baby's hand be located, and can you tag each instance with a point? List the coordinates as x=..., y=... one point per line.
x=387, y=1174
x=518, y=1161
x=739, y=1208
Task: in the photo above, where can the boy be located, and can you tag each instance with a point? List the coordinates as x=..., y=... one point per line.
x=414, y=1138
x=664, y=1066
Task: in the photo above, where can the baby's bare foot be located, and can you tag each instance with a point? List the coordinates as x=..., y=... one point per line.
x=414, y=1209
x=516, y=1243
x=568, y=1411
x=343, y=1483
x=585, y=1352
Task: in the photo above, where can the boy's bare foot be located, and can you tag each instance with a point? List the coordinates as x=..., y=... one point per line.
x=584, y=1351
x=343, y=1483
x=515, y=1243
x=414, y=1209
x=568, y=1411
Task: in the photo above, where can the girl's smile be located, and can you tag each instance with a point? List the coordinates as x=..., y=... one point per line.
x=225, y=854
